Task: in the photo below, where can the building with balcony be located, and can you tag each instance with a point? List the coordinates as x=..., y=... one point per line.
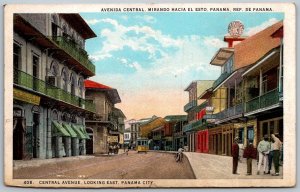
x=195, y=112
x=246, y=100
x=108, y=121
x=263, y=81
x=49, y=105
x=135, y=130
x=127, y=137
x=155, y=124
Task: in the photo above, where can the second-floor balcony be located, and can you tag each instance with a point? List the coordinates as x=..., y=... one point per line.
x=75, y=51
x=230, y=113
x=269, y=99
x=194, y=126
x=190, y=105
x=34, y=84
x=222, y=77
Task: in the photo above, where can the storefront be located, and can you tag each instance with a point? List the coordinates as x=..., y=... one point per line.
x=202, y=141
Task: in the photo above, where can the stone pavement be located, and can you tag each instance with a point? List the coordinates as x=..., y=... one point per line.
x=17, y=164
x=208, y=166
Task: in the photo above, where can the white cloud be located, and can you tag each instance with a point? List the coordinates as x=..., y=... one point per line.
x=93, y=21
x=214, y=42
x=118, y=38
x=254, y=30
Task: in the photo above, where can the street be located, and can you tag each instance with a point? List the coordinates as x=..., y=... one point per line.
x=135, y=165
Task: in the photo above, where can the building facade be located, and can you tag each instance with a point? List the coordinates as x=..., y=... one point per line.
x=107, y=124
x=195, y=111
x=50, y=65
x=246, y=100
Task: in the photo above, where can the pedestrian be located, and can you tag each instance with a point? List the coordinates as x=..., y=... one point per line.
x=276, y=153
x=270, y=156
x=235, y=155
x=249, y=154
x=263, y=149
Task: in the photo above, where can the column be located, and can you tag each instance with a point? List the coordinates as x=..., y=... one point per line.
x=260, y=82
x=83, y=147
x=68, y=147
x=48, y=136
x=58, y=147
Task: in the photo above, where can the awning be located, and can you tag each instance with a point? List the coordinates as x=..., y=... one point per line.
x=80, y=135
x=59, y=130
x=83, y=130
x=69, y=129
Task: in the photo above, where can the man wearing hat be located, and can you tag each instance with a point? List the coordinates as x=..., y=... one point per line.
x=263, y=149
x=235, y=155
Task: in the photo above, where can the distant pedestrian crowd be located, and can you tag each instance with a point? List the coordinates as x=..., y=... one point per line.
x=269, y=150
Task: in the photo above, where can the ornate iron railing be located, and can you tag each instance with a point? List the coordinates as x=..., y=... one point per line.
x=230, y=112
x=75, y=51
x=28, y=81
x=190, y=105
x=265, y=100
x=222, y=77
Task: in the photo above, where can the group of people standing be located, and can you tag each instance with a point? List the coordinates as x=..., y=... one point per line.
x=268, y=152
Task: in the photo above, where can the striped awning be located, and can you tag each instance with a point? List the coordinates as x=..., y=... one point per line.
x=59, y=130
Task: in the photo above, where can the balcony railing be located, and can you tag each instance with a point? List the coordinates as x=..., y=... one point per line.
x=265, y=100
x=230, y=112
x=190, y=105
x=75, y=51
x=28, y=81
x=194, y=126
x=222, y=77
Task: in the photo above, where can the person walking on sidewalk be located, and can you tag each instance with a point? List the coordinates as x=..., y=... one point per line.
x=276, y=153
x=235, y=155
x=263, y=149
x=249, y=154
x=270, y=156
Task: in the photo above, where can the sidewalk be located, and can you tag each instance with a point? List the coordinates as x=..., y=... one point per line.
x=38, y=162
x=208, y=166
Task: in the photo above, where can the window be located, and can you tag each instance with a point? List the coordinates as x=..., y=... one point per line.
x=250, y=134
x=241, y=135
x=73, y=80
x=81, y=87
x=35, y=66
x=17, y=56
x=64, y=79
x=264, y=84
x=54, y=26
x=54, y=68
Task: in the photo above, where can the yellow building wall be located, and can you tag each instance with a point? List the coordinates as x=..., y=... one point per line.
x=219, y=99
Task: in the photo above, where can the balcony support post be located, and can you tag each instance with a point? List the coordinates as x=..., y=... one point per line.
x=280, y=65
x=260, y=82
x=234, y=110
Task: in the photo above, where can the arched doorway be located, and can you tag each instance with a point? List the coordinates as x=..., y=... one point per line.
x=18, y=134
x=89, y=142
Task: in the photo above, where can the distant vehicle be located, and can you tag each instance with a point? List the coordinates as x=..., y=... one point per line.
x=142, y=145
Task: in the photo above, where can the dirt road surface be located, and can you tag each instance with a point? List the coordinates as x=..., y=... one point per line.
x=152, y=165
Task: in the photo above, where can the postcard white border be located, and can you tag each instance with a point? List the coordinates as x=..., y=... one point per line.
x=289, y=167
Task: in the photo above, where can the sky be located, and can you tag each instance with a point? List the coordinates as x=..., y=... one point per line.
x=150, y=58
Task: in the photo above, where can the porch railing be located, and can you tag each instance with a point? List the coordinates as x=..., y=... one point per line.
x=230, y=112
x=75, y=51
x=265, y=100
x=28, y=81
x=222, y=77
x=190, y=105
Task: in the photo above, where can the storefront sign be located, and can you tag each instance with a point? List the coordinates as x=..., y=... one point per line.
x=112, y=139
x=26, y=97
x=209, y=109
